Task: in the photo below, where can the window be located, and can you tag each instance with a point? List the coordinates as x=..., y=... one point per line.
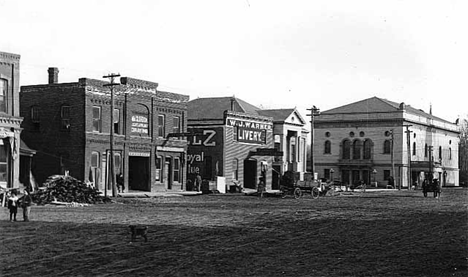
x=386, y=174
x=65, y=115
x=235, y=169
x=95, y=159
x=35, y=118
x=414, y=148
x=346, y=149
x=387, y=147
x=357, y=145
x=327, y=149
x=440, y=152
x=425, y=151
x=176, y=170
x=3, y=163
x=293, y=150
x=159, y=169
x=97, y=119
x=35, y=115
x=367, y=149
x=161, y=125
x=117, y=163
x=3, y=95
x=176, y=124
x=450, y=153
x=117, y=121
x=326, y=173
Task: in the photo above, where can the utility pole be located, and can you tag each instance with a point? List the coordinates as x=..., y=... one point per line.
x=314, y=111
x=112, y=77
x=408, y=146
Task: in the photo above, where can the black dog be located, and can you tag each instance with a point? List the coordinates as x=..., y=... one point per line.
x=141, y=231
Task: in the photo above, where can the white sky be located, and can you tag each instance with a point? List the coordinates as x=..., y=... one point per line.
x=273, y=54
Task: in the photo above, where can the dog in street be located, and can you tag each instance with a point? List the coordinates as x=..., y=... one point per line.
x=141, y=231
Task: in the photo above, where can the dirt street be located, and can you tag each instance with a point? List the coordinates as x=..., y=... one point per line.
x=393, y=233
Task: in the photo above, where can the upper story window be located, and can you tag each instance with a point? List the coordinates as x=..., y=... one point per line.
x=327, y=147
x=357, y=146
x=3, y=95
x=346, y=149
x=161, y=125
x=440, y=152
x=367, y=149
x=97, y=119
x=176, y=124
x=414, y=148
x=65, y=118
x=35, y=117
x=425, y=151
x=117, y=121
x=387, y=147
x=450, y=153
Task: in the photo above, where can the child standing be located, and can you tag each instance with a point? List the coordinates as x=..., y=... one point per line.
x=13, y=205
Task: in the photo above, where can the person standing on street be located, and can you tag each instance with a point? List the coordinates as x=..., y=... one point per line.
x=13, y=205
x=26, y=202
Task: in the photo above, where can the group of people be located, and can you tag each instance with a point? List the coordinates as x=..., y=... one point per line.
x=24, y=202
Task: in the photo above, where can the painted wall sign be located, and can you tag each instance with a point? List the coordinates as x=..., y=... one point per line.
x=250, y=135
x=207, y=138
x=140, y=124
x=248, y=124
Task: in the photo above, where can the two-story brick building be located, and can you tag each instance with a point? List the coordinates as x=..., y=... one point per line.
x=375, y=138
x=69, y=126
x=10, y=120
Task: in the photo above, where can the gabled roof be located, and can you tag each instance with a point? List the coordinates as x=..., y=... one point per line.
x=282, y=115
x=214, y=107
x=378, y=105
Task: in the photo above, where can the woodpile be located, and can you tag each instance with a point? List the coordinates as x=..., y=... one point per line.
x=64, y=188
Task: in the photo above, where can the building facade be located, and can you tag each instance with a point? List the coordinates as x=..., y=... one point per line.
x=290, y=138
x=10, y=120
x=373, y=139
x=241, y=142
x=69, y=125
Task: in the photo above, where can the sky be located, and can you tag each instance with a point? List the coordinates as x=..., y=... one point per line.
x=271, y=53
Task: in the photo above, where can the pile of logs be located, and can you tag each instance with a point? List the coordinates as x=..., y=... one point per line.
x=64, y=188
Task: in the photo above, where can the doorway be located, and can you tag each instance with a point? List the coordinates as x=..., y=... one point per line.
x=250, y=174
x=138, y=173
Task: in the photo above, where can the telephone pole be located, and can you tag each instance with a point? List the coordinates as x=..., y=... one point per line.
x=111, y=178
x=314, y=111
x=408, y=146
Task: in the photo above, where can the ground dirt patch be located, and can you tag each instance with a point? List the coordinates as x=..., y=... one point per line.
x=397, y=233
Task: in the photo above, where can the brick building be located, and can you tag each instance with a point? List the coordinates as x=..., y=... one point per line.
x=69, y=126
x=10, y=120
x=375, y=138
x=240, y=142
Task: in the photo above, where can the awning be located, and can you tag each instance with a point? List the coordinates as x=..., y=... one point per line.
x=25, y=150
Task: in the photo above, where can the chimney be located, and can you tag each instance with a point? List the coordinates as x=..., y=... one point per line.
x=53, y=75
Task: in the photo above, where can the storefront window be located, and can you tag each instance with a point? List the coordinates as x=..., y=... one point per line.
x=176, y=170
x=3, y=163
x=159, y=168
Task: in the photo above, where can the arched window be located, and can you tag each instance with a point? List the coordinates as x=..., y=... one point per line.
x=327, y=149
x=386, y=147
x=346, y=149
x=367, y=149
x=357, y=147
x=414, y=148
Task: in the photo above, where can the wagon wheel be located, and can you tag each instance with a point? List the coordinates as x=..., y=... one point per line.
x=314, y=192
x=297, y=193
